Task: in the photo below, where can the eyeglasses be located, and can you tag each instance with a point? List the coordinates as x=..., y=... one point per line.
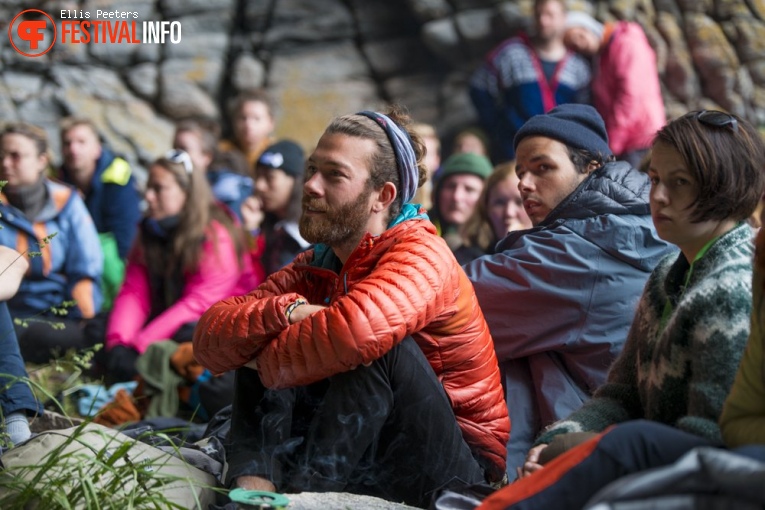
x=715, y=118
x=182, y=157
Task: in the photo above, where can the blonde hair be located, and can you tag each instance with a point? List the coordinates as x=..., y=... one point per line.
x=478, y=230
x=426, y=132
x=69, y=123
x=207, y=138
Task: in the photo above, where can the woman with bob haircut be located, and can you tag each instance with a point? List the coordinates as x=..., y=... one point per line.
x=667, y=387
x=187, y=256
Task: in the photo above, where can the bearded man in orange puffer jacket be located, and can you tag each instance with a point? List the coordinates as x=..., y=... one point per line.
x=366, y=365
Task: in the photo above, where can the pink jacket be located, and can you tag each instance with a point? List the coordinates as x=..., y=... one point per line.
x=626, y=88
x=219, y=276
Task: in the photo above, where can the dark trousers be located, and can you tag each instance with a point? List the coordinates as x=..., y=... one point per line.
x=14, y=396
x=386, y=430
x=43, y=341
x=573, y=478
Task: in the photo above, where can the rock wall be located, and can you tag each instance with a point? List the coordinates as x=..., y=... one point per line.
x=325, y=57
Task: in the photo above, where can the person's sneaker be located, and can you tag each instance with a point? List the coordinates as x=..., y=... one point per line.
x=51, y=420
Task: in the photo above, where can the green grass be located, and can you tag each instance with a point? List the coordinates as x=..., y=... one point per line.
x=90, y=466
x=54, y=383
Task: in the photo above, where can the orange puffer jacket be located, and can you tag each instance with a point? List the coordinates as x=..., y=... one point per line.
x=403, y=282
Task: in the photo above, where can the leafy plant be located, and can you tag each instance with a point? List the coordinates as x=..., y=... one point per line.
x=92, y=467
x=55, y=383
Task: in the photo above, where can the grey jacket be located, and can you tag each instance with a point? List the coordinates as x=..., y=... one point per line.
x=559, y=298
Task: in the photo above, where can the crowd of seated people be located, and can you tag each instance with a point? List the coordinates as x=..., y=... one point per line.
x=602, y=311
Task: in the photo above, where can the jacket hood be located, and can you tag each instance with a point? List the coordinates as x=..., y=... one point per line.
x=615, y=188
x=58, y=200
x=609, y=209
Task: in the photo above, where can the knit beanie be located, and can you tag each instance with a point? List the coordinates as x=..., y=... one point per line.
x=578, y=126
x=284, y=155
x=581, y=19
x=466, y=163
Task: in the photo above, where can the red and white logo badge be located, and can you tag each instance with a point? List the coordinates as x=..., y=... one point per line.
x=27, y=32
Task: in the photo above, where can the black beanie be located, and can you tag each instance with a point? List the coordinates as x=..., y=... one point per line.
x=579, y=126
x=284, y=155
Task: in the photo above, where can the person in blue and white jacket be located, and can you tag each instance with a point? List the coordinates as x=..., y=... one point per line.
x=528, y=75
x=45, y=216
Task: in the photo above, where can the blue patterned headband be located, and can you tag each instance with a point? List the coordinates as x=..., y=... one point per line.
x=406, y=161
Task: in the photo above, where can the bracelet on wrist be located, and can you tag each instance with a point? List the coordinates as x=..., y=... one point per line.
x=292, y=306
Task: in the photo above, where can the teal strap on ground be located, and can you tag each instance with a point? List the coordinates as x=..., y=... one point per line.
x=259, y=498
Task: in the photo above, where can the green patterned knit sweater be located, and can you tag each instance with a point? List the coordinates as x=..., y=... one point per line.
x=680, y=374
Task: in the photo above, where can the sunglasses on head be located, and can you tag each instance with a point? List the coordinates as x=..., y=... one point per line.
x=715, y=118
x=181, y=157
x=273, y=160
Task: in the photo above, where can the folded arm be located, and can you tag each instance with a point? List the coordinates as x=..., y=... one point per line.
x=233, y=331
x=404, y=292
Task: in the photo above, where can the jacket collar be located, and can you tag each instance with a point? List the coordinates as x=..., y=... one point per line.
x=615, y=188
x=58, y=197
x=676, y=278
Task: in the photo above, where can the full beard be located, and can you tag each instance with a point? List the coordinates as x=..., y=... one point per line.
x=337, y=226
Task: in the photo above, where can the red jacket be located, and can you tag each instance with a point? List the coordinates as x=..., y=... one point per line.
x=403, y=282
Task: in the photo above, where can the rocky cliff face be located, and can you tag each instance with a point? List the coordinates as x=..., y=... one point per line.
x=326, y=57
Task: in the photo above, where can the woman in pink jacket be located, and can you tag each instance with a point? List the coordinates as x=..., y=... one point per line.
x=625, y=82
x=187, y=256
